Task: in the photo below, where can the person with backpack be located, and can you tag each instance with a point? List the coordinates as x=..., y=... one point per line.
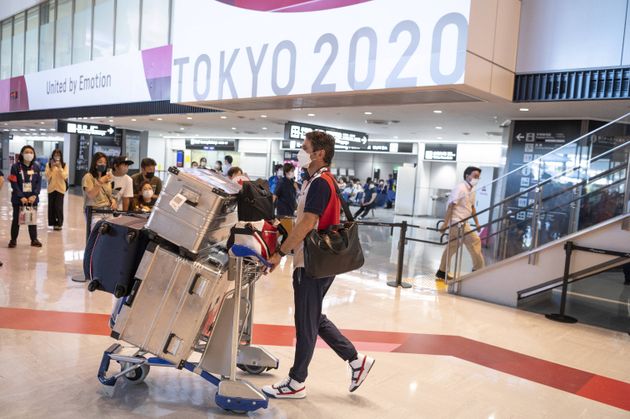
x=318, y=208
x=57, y=175
x=26, y=184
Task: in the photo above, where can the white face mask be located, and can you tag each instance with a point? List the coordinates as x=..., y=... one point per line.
x=304, y=159
x=28, y=157
x=147, y=194
x=279, y=173
x=474, y=182
x=57, y=158
x=291, y=175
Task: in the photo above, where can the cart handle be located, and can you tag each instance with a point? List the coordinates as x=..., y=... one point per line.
x=244, y=251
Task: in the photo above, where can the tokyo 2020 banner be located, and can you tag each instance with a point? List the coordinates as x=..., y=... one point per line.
x=238, y=49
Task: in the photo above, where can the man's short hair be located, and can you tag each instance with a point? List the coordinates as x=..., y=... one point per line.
x=471, y=169
x=228, y=159
x=323, y=141
x=146, y=162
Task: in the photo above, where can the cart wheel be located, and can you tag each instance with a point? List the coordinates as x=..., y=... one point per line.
x=252, y=369
x=136, y=376
x=93, y=285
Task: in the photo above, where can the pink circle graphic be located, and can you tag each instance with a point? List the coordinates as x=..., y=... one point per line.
x=291, y=6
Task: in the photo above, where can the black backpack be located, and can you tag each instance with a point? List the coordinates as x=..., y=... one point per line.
x=255, y=201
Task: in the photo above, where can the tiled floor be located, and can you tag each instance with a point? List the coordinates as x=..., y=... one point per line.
x=437, y=355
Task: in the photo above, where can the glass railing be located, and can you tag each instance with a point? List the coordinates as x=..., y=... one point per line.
x=578, y=185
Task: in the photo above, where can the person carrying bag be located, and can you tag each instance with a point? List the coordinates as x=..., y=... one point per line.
x=26, y=184
x=327, y=243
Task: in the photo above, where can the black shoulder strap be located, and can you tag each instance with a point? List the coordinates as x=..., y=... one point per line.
x=344, y=204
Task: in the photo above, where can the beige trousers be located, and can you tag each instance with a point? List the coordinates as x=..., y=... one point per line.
x=472, y=243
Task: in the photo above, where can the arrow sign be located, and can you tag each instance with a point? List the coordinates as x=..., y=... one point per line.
x=110, y=130
x=520, y=136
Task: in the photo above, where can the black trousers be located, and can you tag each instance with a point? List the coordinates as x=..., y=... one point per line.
x=55, y=209
x=15, y=226
x=308, y=295
x=626, y=273
x=364, y=210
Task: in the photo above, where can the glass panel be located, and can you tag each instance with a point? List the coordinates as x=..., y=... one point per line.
x=32, y=40
x=127, y=26
x=573, y=187
x=46, y=35
x=155, y=20
x=5, y=49
x=103, y=45
x=82, y=42
x=18, y=44
x=63, y=37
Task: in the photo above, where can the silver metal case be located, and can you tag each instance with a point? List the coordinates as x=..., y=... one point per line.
x=166, y=312
x=196, y=208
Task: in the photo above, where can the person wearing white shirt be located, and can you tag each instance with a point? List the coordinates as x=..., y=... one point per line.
x=122, y=188
x=461, y=207
x=227, y=164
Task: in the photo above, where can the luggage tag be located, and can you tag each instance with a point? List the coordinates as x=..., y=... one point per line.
x=177, y=202
x=27, y=187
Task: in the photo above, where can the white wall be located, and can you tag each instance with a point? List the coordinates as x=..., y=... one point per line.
x=366, y=163
x=572, y=34
x=157, y=151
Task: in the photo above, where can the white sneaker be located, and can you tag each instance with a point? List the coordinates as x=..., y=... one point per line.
x=286, y=389
x=359, y=370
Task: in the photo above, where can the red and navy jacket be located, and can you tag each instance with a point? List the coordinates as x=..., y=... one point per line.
x=20, y=174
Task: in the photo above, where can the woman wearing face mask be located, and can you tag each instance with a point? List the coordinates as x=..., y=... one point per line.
x=145, y=200
x=97, y=186
x=369, y=200
x=218, y=167
x=278, y=174
x=57, y=175
x=26, y=183
x=203, y=162
x=285, y=195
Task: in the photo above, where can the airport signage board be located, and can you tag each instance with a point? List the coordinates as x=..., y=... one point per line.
x=72, y=127
x=211, y=145
x=140, y=76
x=440, y=152
x=295, y=47
x=344, y=139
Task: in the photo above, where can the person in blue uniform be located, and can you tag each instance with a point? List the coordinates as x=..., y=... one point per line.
x=26, y=183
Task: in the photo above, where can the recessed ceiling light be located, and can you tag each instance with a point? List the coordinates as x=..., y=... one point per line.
x=51, y=129
x=42, y=122
x=13, y=129
x=42, y=133
x=42, y=129
x=438, y=127
x=367, y=113
x=264, y=128
x=159, y=119
x=6, y=129
x=439, y=138
x=32, y=129
x=233, y=127
x=133, y=119
x=310, y=114
x=395, y=137
x=6, y=123
x=524, y=109
x=223, y=117
x=111, y=120
x=181, y=128
x=22, y=129
x=437, y=111
x=189, y=117
x=263, y=116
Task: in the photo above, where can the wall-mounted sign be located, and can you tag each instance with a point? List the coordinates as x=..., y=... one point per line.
x=372, y=147
x=211, y=145
x=273, y=48
x=98, y=130
x=440, y=152
x=344, y=139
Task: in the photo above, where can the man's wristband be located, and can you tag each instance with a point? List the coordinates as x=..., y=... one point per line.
x=281, y=253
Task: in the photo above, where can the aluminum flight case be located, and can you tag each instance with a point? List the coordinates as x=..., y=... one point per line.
x=196, y=208
x=170, y=303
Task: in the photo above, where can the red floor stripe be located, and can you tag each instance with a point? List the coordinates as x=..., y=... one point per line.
x=585, y=384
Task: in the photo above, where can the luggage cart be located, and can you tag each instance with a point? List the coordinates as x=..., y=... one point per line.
x=227, y=348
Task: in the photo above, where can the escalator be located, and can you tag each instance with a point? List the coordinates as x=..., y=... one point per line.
x=578, y=194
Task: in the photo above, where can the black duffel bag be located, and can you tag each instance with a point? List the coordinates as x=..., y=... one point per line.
x=335, y=250
x=255, y=201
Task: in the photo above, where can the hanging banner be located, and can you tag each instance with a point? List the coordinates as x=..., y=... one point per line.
x=248, y=49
